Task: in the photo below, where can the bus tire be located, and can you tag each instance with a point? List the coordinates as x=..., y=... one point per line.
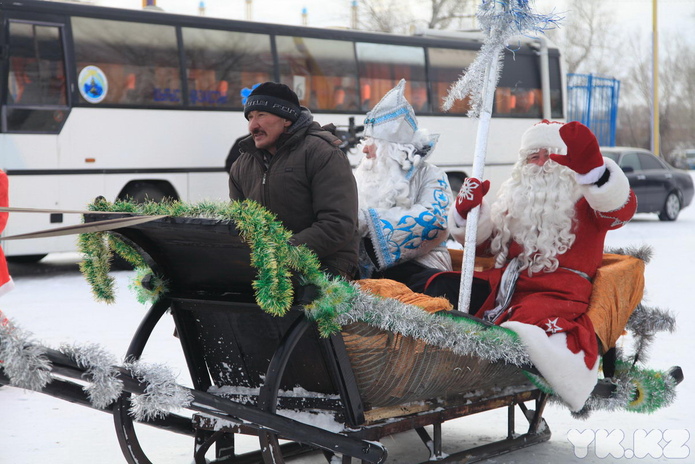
x=141, y=192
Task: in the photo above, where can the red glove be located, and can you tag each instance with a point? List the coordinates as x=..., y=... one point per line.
x=471, y=195
x=583, y=153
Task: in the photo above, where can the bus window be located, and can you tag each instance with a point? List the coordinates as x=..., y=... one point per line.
x=221, y=64
x=519, y=102
x=323, y=73
x=556, y=98
x=446, y=66
x=131, y=68
x=383, y=66
x=518, y=93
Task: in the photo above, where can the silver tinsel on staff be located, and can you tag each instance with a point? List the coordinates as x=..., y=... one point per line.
x=500, y=20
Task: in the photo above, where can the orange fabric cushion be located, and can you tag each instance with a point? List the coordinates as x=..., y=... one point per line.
x=388, y=288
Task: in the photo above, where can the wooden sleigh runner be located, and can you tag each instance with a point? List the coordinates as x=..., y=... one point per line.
x=272, y=377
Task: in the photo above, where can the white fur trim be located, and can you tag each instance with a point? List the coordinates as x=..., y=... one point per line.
x=566, y=372
x=613, y=194
x=457, y=229
x=458, y=219
x=457, y=224
x=542, y=135
x=7, y=286
x=592, y=176
x=485, y=225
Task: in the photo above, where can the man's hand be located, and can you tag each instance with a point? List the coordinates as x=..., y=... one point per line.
x=471, y=195
x=583, y=154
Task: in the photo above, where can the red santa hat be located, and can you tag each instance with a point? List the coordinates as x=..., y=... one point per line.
x=545, y=134
x=6, y=283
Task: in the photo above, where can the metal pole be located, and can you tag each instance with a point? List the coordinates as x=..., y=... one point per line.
x=656, y=149
x=353, y=8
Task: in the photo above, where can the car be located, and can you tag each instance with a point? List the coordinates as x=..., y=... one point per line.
x=690, y=157
x=683, y=158
x=660, y=188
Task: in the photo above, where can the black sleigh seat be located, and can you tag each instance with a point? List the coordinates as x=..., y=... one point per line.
x=372, y=383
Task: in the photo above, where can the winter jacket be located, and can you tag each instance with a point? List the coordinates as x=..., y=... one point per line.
x=309, y=185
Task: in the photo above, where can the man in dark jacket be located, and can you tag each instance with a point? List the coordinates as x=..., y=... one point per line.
x=293, y=167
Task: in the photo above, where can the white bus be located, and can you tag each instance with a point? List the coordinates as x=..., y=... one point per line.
x=104, y=101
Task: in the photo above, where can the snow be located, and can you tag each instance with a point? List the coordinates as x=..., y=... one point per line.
x=53, y=301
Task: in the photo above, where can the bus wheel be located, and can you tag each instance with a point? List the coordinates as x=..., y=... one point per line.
x=141, y=192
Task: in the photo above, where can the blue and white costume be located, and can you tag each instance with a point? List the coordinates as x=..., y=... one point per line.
x=404, y=200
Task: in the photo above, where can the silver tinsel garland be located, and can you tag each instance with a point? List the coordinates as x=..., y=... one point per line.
x=500, y=20
x=23, y=361
x=461, y=336
x=162, y=393
x=100, y=370
x=644, y=323
x=27, y=366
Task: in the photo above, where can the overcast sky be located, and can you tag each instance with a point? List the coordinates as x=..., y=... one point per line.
x=673, y=15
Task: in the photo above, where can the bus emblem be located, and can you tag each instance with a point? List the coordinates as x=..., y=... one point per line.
x=93, y=84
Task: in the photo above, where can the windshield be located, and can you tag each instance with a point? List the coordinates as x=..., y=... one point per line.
x=611, y=155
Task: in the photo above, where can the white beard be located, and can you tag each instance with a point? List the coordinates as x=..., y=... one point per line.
x=381, y=181
x=536, y=209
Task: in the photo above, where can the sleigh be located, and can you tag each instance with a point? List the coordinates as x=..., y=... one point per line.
x=254, y=373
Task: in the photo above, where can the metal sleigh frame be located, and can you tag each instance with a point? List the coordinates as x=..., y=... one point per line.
x=373, y=382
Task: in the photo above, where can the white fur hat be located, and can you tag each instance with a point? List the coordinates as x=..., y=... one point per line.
x=545, y=134
x=393, y=120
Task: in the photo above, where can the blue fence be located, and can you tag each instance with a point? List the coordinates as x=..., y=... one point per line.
x=593, y=101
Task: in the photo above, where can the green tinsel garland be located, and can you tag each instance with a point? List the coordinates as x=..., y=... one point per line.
x=651, y=389
x=126, y=252
x=96, y=263
x=341, y=302
x=150, y=292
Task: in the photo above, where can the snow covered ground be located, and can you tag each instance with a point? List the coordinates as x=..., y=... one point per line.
x=52, y=300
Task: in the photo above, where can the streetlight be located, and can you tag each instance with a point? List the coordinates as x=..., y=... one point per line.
x=353, y=8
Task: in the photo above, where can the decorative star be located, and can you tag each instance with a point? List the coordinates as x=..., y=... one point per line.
x=552, y=326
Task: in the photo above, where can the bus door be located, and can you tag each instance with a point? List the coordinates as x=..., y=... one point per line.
x=35, y=97
x=34, y=105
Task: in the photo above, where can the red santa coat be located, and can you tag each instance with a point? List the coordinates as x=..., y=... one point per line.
x=548, y=310
x=6, y=283
x=558, y=301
